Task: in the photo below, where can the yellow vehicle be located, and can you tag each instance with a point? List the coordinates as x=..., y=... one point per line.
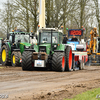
x=93, y=49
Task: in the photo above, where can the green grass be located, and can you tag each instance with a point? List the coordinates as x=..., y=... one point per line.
x=1, y=67
x=89, y=95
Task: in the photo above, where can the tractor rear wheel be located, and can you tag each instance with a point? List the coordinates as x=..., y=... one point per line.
x=4, y=55
x=27, y=61
x=58, y=61
x=15, y=57
x=69, y=59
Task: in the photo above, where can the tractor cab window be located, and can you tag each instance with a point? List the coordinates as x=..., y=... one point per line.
x=22, y=38
x=46, y=37
x=60, y=38
x=10, y=38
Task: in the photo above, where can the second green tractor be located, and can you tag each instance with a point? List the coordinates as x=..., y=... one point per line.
x=12, y=49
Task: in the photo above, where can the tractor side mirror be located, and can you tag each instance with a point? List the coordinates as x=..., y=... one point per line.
x=8, y=36
x=13, y=38
x=31, y=36
x=36, y=37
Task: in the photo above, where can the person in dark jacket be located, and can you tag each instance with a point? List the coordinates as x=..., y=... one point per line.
x=65, y=40
x=74, y=38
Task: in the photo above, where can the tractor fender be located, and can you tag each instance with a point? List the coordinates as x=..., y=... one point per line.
x=66, y=46
x=58, y=51
x=29, y=50
x=8, y=47
x=16, y=49
x=73, y=55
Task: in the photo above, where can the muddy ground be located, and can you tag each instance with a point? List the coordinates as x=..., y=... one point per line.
x=47, y=85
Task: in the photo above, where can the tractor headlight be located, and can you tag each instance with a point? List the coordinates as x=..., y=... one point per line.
x=55, y=46
x=27, y=47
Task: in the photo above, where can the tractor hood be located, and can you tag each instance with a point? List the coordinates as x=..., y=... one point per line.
x=25, y=44
x=45, y=48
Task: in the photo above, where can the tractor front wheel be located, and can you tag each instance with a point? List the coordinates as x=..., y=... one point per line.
x=27, y=61
x=4, y=55
x=58, y=61
x=15, y=57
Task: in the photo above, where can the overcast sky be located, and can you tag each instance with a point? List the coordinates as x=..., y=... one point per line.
x=1, y=3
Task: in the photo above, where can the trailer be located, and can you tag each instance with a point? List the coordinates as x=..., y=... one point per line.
x=79, y=49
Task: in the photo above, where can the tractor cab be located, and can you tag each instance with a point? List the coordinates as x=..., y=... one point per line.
x=49, y=38
x=17, y=39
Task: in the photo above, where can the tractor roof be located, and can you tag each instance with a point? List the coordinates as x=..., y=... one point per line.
x=49, y=29
x=20, y=33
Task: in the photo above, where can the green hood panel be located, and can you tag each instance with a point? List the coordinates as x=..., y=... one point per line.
x=22, y=46
x=61, y=47
x=25, y=44
x=48, y=46
x=36, y=48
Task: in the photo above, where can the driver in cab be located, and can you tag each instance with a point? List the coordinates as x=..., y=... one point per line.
x=74, y=38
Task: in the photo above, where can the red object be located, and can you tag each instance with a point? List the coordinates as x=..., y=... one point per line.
x=70, y=59
x=63, y=62
x=76, y=58
x=75, y=32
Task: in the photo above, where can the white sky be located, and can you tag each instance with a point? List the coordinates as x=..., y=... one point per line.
x=1, y=3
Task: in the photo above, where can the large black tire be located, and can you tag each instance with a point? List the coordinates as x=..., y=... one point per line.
x=27, y=61
x=15, y=58
x=4, y=55
x=69, y=59
x=20, y=57
x=58, y=61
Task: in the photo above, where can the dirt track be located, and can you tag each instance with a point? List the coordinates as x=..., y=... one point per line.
x=47, y=85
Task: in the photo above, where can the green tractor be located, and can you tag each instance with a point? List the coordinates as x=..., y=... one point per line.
x=12, y=49
x=49, y=52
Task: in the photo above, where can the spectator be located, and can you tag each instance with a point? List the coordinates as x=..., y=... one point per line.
x=74, y=38
x=65, y=40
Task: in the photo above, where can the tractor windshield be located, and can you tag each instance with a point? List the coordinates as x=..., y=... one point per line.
x=46, y=37
x=22, y=37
